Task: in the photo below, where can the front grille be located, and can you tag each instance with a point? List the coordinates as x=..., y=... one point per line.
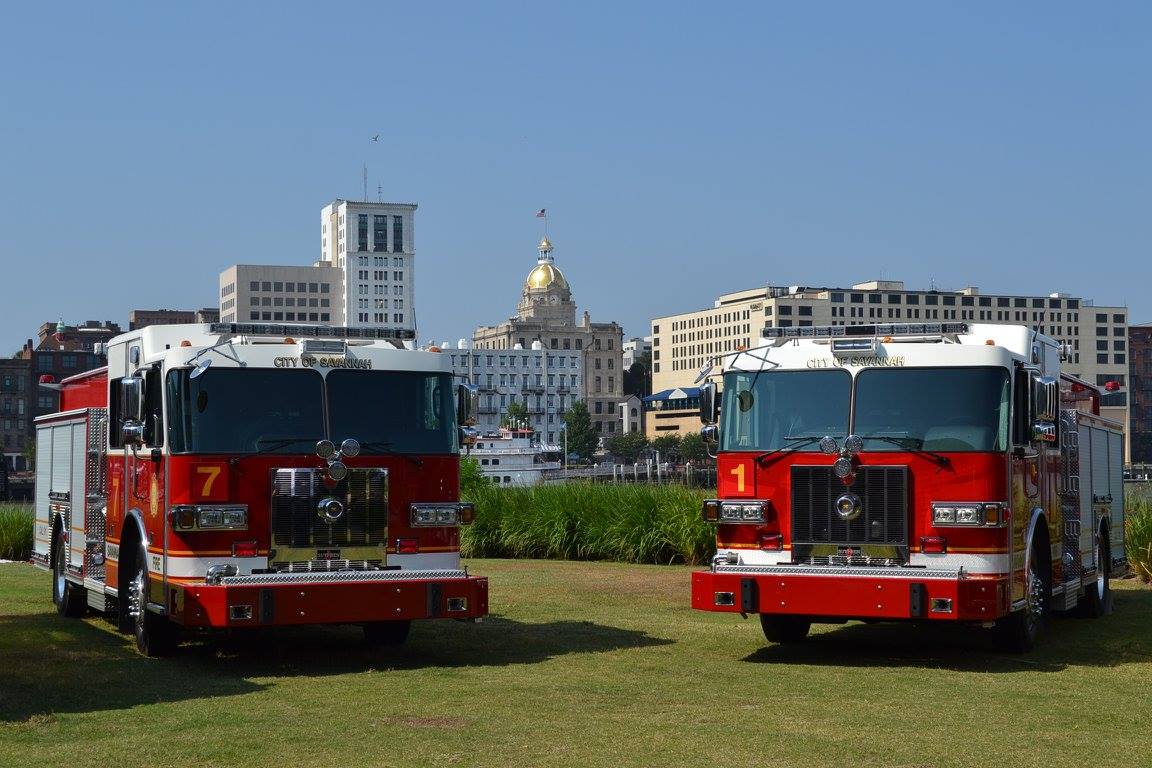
x=320, y=566
x=296, y=493
x=883, y=520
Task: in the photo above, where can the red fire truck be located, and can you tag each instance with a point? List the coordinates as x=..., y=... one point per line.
x=234, y=476
x=932, y=472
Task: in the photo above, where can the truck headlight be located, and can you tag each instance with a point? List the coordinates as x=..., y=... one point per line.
x=967, y=514
x=209, y=517
x=448, y=513
x=743, y=511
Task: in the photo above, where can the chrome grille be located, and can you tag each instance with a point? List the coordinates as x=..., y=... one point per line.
x=883, y=519
x=297, y=492
x=321, y=566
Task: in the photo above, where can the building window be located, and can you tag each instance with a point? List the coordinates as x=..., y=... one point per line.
x=379, y=233
x=397, y=234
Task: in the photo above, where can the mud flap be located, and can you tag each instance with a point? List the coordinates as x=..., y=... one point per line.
x=434, y=593
x=917, y=601
x=749, y=597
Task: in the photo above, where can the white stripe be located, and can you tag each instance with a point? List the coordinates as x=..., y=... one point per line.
x=432, y=561
x=971, y=563
x=191, y=567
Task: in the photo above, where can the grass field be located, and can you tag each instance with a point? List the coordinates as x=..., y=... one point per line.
x=587, y=664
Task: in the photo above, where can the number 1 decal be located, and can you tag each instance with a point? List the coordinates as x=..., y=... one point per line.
x=738, y=470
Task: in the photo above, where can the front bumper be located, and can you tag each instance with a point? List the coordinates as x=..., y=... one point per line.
x=831, y=592
x=342, y=597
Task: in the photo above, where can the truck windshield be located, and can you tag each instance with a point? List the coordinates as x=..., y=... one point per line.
x=393, y=411
x=244, y=410
x=784, y=409
x=934, y=409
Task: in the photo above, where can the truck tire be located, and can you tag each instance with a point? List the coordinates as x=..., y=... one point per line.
x=1097, y=600
x=70, y=599
x=784, y=629
x=1020, y=631
x=155, y=635
x=387, y=632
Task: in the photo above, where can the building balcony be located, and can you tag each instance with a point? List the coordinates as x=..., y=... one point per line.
x=487, y=409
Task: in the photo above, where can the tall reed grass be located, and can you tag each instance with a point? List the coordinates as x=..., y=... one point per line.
x=1138, y=530
x=16, y=521
x=583, y=521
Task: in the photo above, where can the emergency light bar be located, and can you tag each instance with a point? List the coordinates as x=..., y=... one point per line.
x=314, y=331
x=879, y=329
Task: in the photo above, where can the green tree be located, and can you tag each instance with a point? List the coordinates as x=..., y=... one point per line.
x=517, y=415
x=638, y=377
x=668, y=446
x=626, y=446
x=582, y=437
x=472, y=480
x=30, y=453
x=692, y=447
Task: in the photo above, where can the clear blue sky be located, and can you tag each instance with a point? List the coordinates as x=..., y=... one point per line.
x=682, y=150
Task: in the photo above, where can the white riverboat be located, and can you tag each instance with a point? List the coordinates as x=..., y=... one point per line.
x=514, y=457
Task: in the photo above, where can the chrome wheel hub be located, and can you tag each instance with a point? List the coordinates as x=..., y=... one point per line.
x=1035, y=604
x=136, y=596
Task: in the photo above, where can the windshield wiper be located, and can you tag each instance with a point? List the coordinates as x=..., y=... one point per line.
x=798, y=442
x=276, y=443
x=912, y=445
x=385, y=447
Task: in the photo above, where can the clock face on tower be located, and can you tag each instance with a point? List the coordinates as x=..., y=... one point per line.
x=553, y=299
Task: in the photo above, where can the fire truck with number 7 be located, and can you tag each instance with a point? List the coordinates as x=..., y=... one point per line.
x=233, y=476
x=931, y=472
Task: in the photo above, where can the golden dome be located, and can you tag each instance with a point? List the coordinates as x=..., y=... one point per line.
x=545, y=275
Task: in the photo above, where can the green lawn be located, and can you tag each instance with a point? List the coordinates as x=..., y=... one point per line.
x=586, y=664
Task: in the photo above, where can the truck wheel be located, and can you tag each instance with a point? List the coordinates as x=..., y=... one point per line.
x=1020, y=631
x=70, y=599
x=387, y=632
x=784, y=629
x=155, y=635
x=1097, y=600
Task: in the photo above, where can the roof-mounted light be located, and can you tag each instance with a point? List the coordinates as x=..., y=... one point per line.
x=876, y=330
x=315, y=331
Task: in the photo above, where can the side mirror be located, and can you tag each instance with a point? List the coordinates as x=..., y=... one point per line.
x=132, y=410
x=467, y=404
x=708, y=404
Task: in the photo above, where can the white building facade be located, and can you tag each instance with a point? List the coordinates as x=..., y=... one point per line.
x=545, y=381
x=269, y=293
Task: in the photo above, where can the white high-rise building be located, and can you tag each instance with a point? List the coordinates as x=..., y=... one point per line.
x=373, y=243
x=365, y=276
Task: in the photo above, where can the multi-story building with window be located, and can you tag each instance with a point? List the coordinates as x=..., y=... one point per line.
x=1140, y=392
x=545, y=381
x=263, y=292
x=547, y=314
x=17, y=396
x=142, y=318
x=683, y=344
x=364, y=278
x=373, y=243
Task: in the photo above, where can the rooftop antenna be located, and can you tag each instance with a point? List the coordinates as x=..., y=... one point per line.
x=365, y=176
x=379, y=193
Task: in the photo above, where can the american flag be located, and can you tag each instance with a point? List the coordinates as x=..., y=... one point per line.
x=540, y=214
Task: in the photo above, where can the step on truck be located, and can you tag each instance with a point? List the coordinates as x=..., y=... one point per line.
x=234, y=476
x=945, y=473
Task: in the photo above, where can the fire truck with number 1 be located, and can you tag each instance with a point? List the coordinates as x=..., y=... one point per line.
x=931, y=472
x=237, y=476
